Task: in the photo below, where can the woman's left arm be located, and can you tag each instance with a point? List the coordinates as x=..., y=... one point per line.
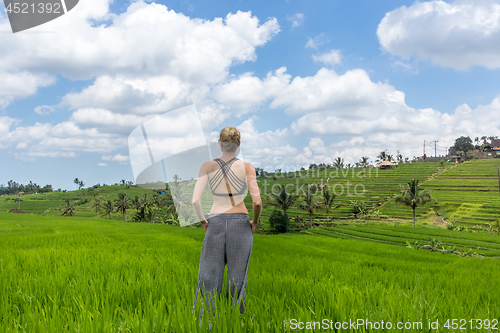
x=200, y=186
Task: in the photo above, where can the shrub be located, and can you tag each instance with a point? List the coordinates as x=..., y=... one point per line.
x=313, y=188
x=358, y=208
x=299, y=222
x=279, y=221
x=82, y=201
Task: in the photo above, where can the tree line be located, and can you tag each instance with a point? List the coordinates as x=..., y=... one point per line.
x=14, y=188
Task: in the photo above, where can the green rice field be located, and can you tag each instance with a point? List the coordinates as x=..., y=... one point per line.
x=371, y=185
x=69, y=274
x=89, y=274
x=468, y=193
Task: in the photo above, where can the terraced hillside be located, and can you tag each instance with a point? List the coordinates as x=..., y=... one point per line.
x=371, y=185
x=468, y=193
x=483, y=243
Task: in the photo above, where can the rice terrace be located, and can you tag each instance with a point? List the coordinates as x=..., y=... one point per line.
x=118, y=262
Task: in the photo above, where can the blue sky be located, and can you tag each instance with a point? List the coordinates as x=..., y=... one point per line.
x=305, y=82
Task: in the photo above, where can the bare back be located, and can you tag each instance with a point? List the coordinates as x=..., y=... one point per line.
x=228, y=182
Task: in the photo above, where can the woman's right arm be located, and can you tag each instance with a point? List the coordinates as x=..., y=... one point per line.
x=253, y=188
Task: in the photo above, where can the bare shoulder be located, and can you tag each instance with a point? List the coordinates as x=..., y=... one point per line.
x=206, y=167
x=249, y=167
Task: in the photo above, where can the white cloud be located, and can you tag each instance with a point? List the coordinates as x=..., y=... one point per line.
x=106, y=121
x=61, y=140
x=264, y=149
x=146, y=41
x=317, y=41
x=297, y=19
x=145, y=61
x=372, y=116
x=458, y=34
x=20, y=84
x=191, y=49
x=44, y=109
x=139, y=96
x=247, y=91
x=331, y=58
x=121, y=159
x=102, y=164
x=351, y=95
x=5, y=123
x=117, y=158
x=52, y=154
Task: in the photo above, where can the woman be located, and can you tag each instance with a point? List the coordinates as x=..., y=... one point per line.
x=228, y=231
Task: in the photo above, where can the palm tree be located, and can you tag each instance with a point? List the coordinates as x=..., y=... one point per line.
x=18, y=199
x=338, y=163
x=139, y=203
x=68, y=209
x=77, y=182
x=328, y=198
x=282, y=199
x=80, y=184
x=399, y=158
x=135, y=203
x=313, y=166
x=363, y=161
x=310, y=204
x=412, y=196
x=382, y=156
x=97, y=205
x=109, y=208
x=122, y=204
x=484, y=138
x=158, y=201
x=390, y=158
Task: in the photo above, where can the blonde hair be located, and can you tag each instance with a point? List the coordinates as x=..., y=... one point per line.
x=230, y=138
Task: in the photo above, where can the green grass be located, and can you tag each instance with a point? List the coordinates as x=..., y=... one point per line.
x=62, y=274
x=469, y=192
x=479, y=242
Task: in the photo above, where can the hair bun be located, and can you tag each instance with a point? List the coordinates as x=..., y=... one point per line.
x=231, y=134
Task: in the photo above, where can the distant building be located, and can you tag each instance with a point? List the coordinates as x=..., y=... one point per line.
x=385, y=165
x=453, y=151
x=495, y=146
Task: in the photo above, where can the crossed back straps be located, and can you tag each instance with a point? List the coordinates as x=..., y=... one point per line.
x=225, y=173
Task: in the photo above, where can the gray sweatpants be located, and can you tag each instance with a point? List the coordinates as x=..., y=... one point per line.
x=228, y=240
